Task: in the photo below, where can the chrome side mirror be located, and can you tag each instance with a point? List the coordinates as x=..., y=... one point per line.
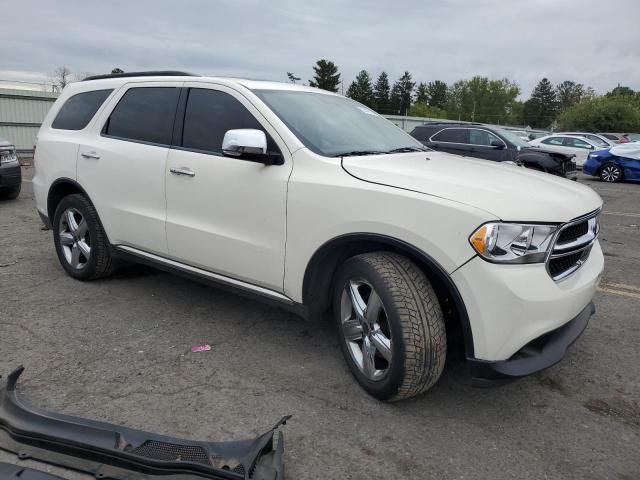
x=245, y=143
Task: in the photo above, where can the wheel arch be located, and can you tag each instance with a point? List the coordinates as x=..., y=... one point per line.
x=320, y=271
x=59, y=189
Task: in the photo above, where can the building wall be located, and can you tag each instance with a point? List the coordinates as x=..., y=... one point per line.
x=21, y=113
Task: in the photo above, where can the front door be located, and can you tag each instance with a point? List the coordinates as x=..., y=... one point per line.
x=226, y=215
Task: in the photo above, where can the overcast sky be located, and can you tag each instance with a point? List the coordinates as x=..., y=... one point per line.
x=594, y=42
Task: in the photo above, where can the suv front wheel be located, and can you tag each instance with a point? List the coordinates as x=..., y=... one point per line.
x=81, y=244
x=390, y=325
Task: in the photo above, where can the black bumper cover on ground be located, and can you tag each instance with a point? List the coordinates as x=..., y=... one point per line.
x=10, y=176
x=109, y=451
x=541, y=353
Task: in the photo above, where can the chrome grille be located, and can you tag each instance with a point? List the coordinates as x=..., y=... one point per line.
x=572, y=246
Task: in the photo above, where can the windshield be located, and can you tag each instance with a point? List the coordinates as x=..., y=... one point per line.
x=332, y=126
x=514, y=138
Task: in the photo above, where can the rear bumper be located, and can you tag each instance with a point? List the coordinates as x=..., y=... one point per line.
x=112, y=451
x=10, y=176
x=540, y=353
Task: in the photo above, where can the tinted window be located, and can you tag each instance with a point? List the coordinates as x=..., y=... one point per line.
x=144, y=114
x=78, y=110
x=553, y=141
x=210, y=114
x=422, y=133
x=452, y=135
x=609, y=136
x=576, y=143
x=482, y=137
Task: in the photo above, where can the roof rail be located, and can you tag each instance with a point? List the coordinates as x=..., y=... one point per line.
x=157, y=73
x=448, y=122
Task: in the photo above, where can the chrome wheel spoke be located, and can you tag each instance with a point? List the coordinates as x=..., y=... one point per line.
x=382, y=344
x=82, y=229
x=66, y=239
x=75, y=256
x=374, y=307
x=368, y=358
x=352, y=330
x=358, y=303
x=71, y=221
x=84, y=249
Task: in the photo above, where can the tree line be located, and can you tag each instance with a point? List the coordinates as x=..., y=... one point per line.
x=567, y=105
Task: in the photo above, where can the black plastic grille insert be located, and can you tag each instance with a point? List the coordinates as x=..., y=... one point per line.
x=172, y=452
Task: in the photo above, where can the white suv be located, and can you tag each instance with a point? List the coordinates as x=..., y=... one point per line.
x=314, y=201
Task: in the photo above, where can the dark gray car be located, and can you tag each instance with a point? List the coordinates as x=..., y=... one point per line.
x=10, y=174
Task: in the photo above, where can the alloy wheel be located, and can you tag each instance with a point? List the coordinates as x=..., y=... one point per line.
x=610, y=173
x=75, y=241
x=366, y=329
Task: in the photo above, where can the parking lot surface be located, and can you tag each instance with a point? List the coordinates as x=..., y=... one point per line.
x=118, y=350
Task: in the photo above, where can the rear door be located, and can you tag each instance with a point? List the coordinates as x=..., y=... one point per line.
x=122, y=164
x=452, y=140
x=226, y=215
x=484, y=144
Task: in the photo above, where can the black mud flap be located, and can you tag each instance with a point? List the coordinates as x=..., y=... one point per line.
x=109, y=451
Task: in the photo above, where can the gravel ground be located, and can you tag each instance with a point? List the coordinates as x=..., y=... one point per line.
x=119, y=350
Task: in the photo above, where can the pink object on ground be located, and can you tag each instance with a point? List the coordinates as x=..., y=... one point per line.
x=200, y=348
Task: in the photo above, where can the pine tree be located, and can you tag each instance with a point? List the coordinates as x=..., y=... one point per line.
x=402, y=94
x=361, y=89
x=326, y=76
x=422, y=94
x=541, y=109
x=381, y=92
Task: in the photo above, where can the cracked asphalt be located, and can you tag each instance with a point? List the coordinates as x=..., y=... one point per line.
x=118, y=350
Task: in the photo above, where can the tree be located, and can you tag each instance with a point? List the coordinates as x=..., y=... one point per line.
x=437, y=94
x=422, y=95
x=568, y=94
x=402, y=94
x=421, y=109
x=117, y=70
x=381, y=92
x=326, y=76
x=541, y=109
x=481, y=99
x=601, y=114
x=60, y=78
x=361, y=89
x=292, y=78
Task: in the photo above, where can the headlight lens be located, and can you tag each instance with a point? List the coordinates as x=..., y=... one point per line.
x=513, y=242
x=8, y=156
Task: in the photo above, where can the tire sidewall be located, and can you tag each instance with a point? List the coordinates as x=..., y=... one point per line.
x=387, y=387
x=80, y=204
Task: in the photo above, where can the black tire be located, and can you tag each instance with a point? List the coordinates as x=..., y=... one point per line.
x=413, y=319
x=99, y=264
x=611, y=173
x=10, y=193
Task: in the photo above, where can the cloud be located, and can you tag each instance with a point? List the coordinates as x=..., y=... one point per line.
x=587, y=41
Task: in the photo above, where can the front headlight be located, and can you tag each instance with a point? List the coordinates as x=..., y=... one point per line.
x=8, y=156
x=513, y=242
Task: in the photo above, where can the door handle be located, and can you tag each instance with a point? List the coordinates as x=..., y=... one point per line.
x=183, y=171
x=93, y=155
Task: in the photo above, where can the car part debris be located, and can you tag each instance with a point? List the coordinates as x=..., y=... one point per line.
x=109, y=451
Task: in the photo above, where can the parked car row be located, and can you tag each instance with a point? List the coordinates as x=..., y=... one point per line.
x=10, y=175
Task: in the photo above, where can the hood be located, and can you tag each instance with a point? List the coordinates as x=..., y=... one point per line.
x=506, y=191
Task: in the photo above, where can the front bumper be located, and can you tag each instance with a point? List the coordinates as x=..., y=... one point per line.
x=10, y=176
x=119, y=453
x=541, y=353
x=511, y=305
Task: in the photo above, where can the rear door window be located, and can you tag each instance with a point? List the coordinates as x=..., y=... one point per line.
x=210, y=114
x=575, y=143
x=452, y=135
x=144, y=114
x=78, y=110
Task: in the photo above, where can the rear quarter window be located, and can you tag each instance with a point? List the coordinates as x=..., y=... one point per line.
x=78, y=110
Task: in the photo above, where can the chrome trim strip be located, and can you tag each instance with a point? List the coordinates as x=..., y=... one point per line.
x=206, y=274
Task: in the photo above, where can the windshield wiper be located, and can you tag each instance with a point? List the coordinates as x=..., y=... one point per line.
x=408, y=149
x=355, y=153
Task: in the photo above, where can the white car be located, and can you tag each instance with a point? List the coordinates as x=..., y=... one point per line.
x=572, y=145
x=308, y=199
x=598, y=140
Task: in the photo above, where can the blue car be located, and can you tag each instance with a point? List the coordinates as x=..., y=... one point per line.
x=618, y=163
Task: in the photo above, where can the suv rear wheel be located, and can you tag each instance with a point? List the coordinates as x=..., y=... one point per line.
x=390, y=325
x=81, y=244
